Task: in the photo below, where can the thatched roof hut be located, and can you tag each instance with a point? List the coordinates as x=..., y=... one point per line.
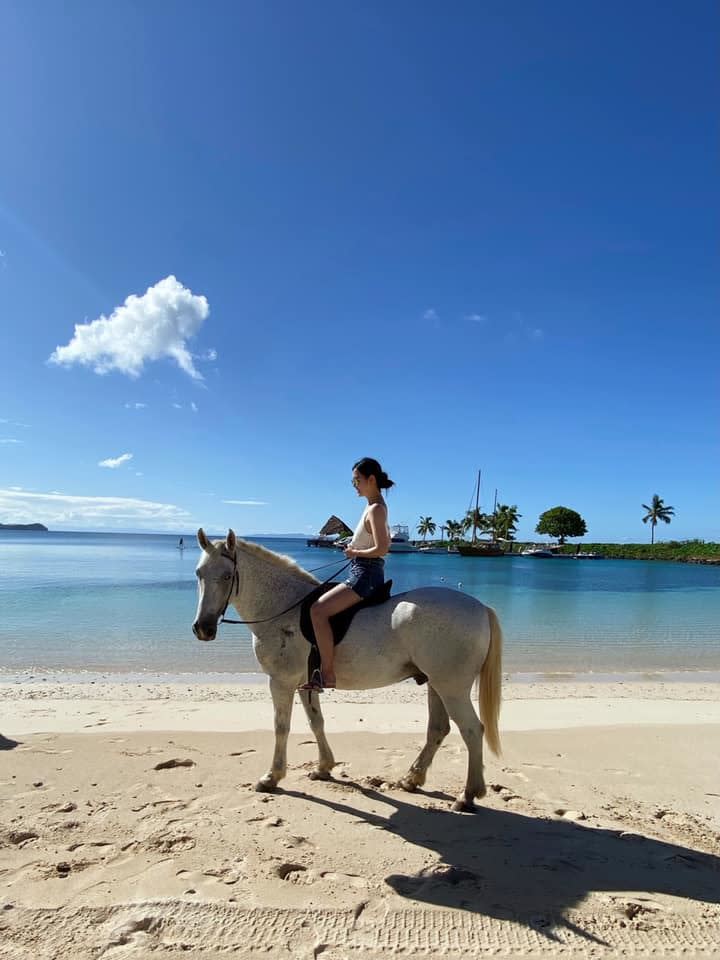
x=335, y=525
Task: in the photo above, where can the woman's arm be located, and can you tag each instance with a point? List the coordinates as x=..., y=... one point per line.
x=377, y=518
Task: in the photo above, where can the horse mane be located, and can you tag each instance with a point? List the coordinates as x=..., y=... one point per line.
x=277, y=559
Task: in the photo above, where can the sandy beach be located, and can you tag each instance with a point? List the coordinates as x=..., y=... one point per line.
x=130, y=826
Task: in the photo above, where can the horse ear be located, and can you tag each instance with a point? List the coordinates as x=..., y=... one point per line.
x=203, y=540
x=231, y=541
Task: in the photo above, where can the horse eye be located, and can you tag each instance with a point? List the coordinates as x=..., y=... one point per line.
x=227, y=576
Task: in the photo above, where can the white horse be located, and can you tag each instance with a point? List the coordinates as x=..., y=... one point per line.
x=446, y=635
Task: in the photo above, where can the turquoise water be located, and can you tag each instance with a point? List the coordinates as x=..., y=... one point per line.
x=124, y=603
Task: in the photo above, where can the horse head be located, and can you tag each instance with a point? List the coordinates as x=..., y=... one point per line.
x=216, y=576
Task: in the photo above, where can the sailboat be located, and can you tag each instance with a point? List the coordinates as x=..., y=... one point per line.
x=477, y=547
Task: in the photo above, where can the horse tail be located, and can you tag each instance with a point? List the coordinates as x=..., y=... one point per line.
x=490, y=686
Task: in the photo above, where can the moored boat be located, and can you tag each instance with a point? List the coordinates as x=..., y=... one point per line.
x=540, y=553
x=480, y=548
x=400, y=539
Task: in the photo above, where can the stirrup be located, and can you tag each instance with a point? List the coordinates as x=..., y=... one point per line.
x=314, y=684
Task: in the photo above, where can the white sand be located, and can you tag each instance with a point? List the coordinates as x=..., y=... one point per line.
x=599, y=837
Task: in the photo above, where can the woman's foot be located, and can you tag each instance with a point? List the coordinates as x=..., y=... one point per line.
x=318, y=682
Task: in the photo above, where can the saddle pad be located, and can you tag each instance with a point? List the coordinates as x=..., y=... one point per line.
x=340, y=623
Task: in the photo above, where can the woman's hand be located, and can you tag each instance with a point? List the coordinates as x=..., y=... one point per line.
x=350, y=552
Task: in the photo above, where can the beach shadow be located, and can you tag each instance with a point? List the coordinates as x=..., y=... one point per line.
x=512, y=866
x=7, y=744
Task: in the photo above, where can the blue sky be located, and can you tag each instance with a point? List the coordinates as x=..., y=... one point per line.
x=450, y=237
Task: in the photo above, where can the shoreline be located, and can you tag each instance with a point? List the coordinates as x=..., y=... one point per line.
x=140, y=707
x=10, y=677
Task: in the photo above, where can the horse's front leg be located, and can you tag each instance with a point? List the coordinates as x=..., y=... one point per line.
x=326, y=760
x=282, y=697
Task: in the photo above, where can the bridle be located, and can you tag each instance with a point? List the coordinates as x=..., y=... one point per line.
x=235, y=585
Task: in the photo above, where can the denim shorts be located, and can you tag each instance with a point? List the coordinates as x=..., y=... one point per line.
x=366, y=575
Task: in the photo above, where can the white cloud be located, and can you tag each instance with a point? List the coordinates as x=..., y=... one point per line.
x=114, y=462
x=536, y=333
x=18, y=506
x=145, y=328
x=10, y=440
x=476, y=317
x=247, y=503
x=431, y=314
x=210, y=354
x=193, y=406
x=73, y=512
x=135, y=406
x=178, y=406
x=139, y=474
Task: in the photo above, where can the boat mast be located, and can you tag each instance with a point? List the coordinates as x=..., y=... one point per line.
x=477, y=507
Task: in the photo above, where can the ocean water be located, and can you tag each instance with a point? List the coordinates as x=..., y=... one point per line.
x=124, y=603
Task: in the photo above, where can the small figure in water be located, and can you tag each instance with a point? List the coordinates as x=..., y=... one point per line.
x=181, y=544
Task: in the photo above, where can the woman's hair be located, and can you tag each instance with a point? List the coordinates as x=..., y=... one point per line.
x=371, y=468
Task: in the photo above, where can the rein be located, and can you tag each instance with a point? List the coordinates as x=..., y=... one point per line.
x=235, y=584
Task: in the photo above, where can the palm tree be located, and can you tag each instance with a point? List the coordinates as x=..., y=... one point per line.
x=657, y=511
x=505, y=521
x=476, y=520
x=443, y=530
x=426, y=526
x=454, y=529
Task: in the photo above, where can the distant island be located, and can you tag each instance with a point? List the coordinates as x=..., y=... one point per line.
x=23, y=526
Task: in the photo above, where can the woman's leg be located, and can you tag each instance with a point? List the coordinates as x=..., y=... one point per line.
x=334, y=601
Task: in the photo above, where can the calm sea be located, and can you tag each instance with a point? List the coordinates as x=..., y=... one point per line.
x=124, y=603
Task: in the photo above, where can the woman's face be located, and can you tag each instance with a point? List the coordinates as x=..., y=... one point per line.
x=364, y=486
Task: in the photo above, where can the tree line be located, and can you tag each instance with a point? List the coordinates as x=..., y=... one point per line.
x=558, y=522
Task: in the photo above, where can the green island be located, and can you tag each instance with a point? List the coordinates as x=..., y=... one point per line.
x=684, y=551
x=23, y=526
x=680, y=551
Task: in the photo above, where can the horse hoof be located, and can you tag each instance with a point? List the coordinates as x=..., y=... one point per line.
x=463, y=806
x=320, y=775
x=408, y=785
x=266, y=785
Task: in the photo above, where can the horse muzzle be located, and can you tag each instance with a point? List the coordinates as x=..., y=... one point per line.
x=205, y=631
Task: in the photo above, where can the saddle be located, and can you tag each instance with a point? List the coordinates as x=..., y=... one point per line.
x=340, y=622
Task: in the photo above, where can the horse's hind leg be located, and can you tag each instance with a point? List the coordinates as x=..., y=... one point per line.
x=462, y=712
x=438, y=728
x=326, y=760
x=282, y=697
